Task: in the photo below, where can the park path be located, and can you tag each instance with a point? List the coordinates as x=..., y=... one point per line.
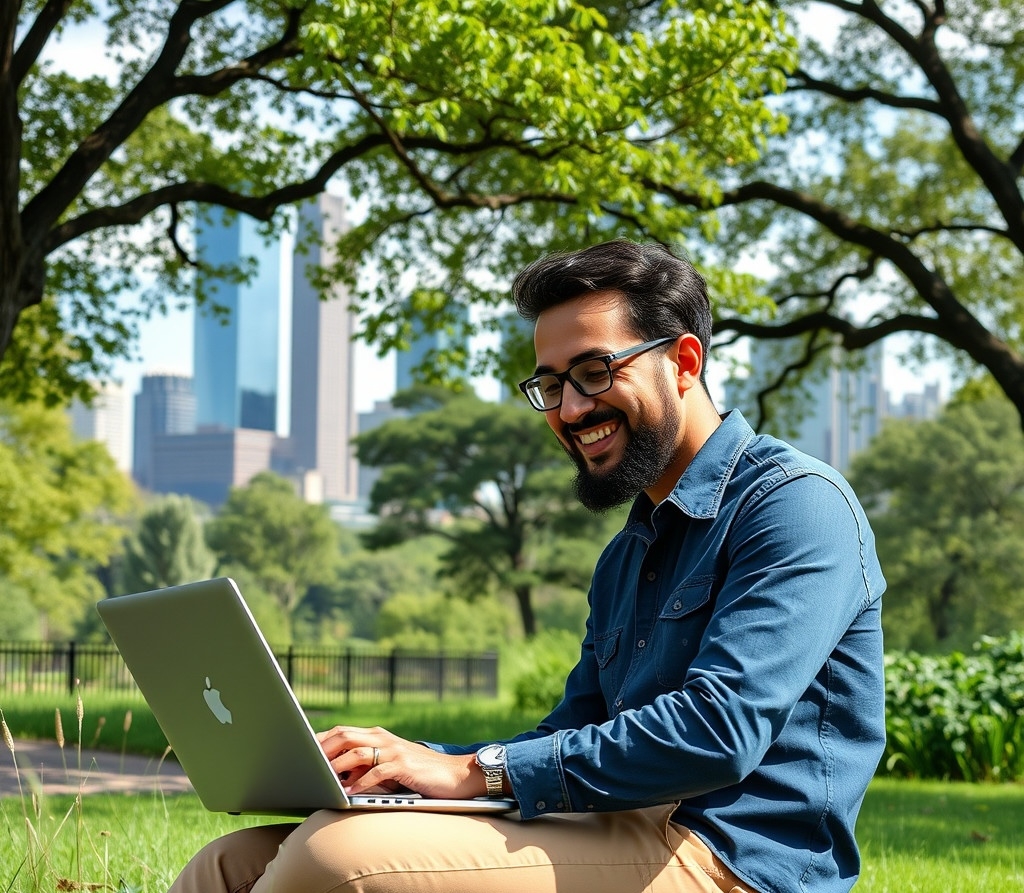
x=40, y=763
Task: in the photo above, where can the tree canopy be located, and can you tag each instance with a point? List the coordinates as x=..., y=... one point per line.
x=488, y=479
x=168, y=547
x=286, y=544
x=460, y=126
x=62, y=509
x=878, y=194
x=946, y=501
x=893, y=203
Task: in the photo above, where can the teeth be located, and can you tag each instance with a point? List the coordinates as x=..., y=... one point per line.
x=595, y=436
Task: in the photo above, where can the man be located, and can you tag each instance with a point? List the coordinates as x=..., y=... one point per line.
x=726, y=713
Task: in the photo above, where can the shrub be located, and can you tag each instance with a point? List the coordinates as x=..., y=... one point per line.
x=958, y=716
x=541, y=665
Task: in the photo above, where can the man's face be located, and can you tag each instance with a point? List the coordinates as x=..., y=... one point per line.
x=625, y=439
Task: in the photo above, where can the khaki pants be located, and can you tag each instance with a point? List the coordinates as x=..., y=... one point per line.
x=419, y=852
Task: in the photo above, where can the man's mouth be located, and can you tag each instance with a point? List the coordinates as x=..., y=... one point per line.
x=597, y=434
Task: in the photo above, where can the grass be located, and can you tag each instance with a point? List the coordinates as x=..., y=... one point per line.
x=916, y=837
x=927, y=837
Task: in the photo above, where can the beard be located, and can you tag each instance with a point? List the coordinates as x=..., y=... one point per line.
x=649, y=450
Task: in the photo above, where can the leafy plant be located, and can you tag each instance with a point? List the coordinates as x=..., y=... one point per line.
x=958, y=716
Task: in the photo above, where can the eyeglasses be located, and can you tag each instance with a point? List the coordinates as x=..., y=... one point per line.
x=589, y=377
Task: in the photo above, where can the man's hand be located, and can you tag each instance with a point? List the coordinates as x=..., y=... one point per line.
x=399, y=764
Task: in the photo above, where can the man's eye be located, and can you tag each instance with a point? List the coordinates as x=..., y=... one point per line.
x=594, y=374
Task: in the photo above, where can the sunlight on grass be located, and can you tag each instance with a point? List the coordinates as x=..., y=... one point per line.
x=916, y=837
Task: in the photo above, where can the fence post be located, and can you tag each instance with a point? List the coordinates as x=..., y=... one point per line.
x=392, y=675
x=348, y=676
x=71, y=667
x=440, y=675
x=289, y=658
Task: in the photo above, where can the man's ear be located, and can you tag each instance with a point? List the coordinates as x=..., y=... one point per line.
x=687, y=355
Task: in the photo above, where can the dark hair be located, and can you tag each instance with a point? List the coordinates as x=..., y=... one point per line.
x=664, y=294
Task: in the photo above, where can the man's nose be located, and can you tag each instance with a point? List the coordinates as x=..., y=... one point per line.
x=574, y=404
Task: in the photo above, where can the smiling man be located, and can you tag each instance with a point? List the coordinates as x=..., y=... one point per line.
x=725, y=716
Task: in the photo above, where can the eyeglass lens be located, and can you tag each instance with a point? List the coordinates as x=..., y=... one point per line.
x=589, y=377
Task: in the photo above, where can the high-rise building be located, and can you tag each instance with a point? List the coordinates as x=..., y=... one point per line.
x=236, y=370
x=207, y=464
x=166, y=404
x=323, y=417
x=105, y=420
x=841, y=408
x=383, y=411
x=926, y=404
x=423, y=344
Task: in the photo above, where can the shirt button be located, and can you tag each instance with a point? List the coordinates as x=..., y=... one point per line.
x=677, y=606
x=559, y=805
x=641, y=643
x=652, y=576
x=541, y=804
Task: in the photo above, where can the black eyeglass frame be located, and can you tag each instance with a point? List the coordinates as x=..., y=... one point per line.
x=607, y=359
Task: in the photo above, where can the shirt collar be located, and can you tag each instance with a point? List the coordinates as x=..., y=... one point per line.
x=700, y=490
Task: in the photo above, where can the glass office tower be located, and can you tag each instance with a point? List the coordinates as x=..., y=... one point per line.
x=323, y=417
x=236, y=358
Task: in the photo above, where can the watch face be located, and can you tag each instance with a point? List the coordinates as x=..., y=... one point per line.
x=491, y=755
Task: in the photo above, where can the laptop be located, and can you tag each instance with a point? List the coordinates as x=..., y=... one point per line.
x=227, y=710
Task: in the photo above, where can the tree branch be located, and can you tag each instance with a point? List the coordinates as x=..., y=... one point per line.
x=152, y=90
x=804, y=82
x=35, y=38
x=1016, y=159
x=852, y=336
x=998, y=176
x=172, y=235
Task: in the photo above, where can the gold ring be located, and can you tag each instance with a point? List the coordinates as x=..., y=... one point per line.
x=376, y=756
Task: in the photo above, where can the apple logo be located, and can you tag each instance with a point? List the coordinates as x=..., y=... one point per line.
x=215, y=704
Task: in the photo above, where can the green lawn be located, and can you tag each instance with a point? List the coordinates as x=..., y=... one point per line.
x=916, y=837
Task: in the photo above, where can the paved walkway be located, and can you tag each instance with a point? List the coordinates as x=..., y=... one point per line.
x=101, y=772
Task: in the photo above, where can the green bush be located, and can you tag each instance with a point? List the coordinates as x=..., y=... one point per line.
x=957, y=716
x=540, y=668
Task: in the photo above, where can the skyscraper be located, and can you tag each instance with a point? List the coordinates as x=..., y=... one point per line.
x=166, y=404
x=841, y=408
x=236, y=367
x=104, y=421
x=323, y=417
x=423, y=343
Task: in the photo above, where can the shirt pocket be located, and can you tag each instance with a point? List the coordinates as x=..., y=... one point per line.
x=606, y=646
x=680, y=628
x=609, y=670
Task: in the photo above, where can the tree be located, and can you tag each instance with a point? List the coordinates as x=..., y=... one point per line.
x=946, y=501
x=496, y=117
x=432, y=621
x=61, y=501
x=168, y=548
x=893, y=202
x=348, y=606
x=287, y=544
x=489, y=479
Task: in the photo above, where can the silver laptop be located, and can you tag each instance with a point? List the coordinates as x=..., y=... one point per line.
x=227, y=710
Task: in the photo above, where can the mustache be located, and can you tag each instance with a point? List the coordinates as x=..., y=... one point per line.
x=592, y=420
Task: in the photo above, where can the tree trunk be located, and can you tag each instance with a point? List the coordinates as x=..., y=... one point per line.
x=524, y=600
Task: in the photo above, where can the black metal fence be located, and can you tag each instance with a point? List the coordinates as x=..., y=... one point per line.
x=329, y=676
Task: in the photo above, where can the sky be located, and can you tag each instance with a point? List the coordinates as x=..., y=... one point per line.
x=165, y=342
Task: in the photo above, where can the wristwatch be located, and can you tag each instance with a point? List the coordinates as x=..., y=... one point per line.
x=491, y=760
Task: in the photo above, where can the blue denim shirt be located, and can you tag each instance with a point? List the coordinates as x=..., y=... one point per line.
x=732, y=663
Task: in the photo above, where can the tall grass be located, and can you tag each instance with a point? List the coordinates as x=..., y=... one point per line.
x=916, y=837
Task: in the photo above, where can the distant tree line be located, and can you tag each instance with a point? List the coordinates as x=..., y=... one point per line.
x=479, y=539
